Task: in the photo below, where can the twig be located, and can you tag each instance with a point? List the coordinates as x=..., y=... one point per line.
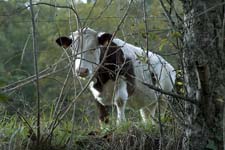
x=149, y=66
x=58, y=106
x=101, y=62
x=60, y=6
x=91, y=78
x=28, y=38
x=146, y=25
x=101, y=13
x=20, y=83
x=223, y=105
x=223, y=127
x=21, y=116
x=31, y=79
x=90, y=12
x=160, y=123
x=170, y=93
x=205, y=11
x=24, y=48
x=35, y=50
x=169, y=18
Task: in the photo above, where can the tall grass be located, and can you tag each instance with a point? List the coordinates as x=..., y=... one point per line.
x=15, y=134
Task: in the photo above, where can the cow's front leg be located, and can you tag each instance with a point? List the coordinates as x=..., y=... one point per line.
x=96, y=89
x=103, y=113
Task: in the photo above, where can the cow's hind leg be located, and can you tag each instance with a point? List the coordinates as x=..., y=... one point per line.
x=152, y=111
x=163, y=105
x=148, y=113
x=120, y=106
x=121, y=97
x=143, y=115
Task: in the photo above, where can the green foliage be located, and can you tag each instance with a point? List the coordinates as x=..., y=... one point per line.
x=211, y=145
x=179, y=84
x=143, y=59
x=16, y=40
x=16, y=63
x=3, y=97
x=163, y=43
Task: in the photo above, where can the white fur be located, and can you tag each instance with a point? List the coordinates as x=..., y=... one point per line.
x=143, y=97
x=85, y=45
x=164, y=71
x=96, y=93
x=114, y=93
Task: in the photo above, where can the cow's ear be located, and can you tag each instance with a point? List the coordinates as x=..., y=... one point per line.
x=104, y=39
x=64, y=41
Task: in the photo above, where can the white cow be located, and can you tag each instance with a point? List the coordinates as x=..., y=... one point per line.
x=119, y=80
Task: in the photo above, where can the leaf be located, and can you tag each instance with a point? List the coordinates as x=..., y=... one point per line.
x=176, y=34
x=163, y=42
x=2, y=83
x=179, y=83
x=153, y=36
x=141, y=58
x=220, y=99
x=3, y=97
x=144, y=35
x=211, y=145
x=182, y=91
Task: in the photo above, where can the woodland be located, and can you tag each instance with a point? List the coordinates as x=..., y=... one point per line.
x=43, y=106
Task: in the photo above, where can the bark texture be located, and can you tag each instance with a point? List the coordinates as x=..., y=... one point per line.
x=204, y=62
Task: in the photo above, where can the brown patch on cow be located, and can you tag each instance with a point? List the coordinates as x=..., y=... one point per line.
x=103, y=113
x=104, y=39
x=128, y=71
x=154, y=78
x=114, y=63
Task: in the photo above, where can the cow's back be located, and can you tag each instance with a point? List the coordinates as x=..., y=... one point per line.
x=144, y=96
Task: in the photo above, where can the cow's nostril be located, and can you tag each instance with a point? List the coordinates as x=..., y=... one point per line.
x=83, y=72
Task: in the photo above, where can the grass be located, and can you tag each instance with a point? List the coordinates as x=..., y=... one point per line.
x=15, y=134
x=12, y=133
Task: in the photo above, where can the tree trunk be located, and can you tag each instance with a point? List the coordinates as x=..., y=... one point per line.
x=204, y=67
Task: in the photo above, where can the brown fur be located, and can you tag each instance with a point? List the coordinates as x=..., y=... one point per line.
x=114, y=63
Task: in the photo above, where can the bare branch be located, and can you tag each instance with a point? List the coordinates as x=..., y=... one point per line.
x=101, y=13
x=89, y=14
x=60, y=117
x=23, y=82
x=35, y=53
x=60, y=6
x=146, y=25
x=24, y=48
x=170, y=93
x=168, y=15
x=205, y=11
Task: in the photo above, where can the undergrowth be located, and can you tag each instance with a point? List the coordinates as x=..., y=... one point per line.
x=15, y=134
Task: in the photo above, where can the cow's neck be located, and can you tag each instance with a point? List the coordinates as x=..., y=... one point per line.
x=114, y=64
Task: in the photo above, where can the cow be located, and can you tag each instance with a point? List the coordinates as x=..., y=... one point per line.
x=119, y=70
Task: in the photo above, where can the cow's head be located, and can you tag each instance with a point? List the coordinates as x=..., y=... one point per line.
x=85, y=43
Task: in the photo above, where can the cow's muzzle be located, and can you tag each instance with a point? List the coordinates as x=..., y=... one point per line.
x=82, y=72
